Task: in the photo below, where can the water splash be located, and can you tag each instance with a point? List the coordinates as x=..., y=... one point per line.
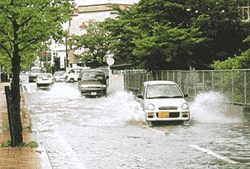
x=64, y=90
x=210, y=107
x=118, y=108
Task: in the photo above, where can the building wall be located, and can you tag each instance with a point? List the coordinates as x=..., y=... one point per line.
x=85, y=13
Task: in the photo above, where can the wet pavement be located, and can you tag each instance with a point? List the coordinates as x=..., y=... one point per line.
x=110, y=132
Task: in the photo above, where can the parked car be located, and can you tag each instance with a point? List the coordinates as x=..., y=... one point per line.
x=44, y=80
x=59, y=76
x=35, y=71
x=92, y=83
x=163, y=101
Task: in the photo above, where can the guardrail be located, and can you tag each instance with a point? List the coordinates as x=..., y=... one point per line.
x=233, y=83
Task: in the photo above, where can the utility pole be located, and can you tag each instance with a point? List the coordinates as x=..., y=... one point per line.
x=66, y=44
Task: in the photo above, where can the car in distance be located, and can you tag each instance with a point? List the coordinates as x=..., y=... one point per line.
x=71, y=75
x=44, y=80
x=59, y=76
x=92, y=83
x=163, y=101
x=35, y=71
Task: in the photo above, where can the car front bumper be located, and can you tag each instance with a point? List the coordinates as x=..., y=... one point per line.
x=94, y=92
x=44, y=84
x=167, y=115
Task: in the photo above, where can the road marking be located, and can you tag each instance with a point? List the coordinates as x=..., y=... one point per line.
x=68, y=151
x=214, y=154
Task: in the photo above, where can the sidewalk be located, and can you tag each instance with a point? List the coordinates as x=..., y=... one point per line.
x=16, y=157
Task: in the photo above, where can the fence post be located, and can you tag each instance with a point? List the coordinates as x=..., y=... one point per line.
x=203, y=81
x=232, y=85
x=173, y=76
x=10, y=114
x=245, y=86
x=212, y=81
x=221, y=82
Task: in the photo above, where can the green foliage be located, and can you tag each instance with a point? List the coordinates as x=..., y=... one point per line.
x=177, y=34
x=239, y=62
x=95, y=44
x=231, y=83
x=49, y=68
x=23, y=144
x=8, y=144
x=24, y=24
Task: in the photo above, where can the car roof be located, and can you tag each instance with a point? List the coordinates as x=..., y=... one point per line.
x=93, y=70
x=45, y=74
x=158, y=82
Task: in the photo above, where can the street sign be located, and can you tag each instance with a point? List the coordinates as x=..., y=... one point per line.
x=110, y=61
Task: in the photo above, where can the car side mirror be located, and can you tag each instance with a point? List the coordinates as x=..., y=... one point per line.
x=140, y=96
x=185, y=95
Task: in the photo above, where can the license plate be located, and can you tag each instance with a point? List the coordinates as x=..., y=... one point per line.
x=163, y=114
x=93, y=93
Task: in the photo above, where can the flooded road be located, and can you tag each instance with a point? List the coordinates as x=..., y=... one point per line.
x=110, y=132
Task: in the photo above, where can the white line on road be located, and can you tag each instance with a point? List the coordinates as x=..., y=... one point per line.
x=77, y=163
x=214, y=154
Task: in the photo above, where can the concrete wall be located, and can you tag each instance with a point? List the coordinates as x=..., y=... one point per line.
x=241, y=112
x=116, y=83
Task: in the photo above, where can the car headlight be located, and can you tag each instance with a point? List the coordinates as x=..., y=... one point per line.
x=150, y=107
x=185, y=106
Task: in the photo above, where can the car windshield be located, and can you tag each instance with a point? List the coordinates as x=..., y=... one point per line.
x=59, y=73
x=96, y=76
x=163, y=91
x=45, y=76
x=36, y=70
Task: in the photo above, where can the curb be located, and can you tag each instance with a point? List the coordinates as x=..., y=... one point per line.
x=44, y=158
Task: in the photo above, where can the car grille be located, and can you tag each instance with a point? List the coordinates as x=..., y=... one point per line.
x=172, y=115
x=168, y=108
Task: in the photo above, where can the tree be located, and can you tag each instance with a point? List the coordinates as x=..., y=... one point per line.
x=177, y=34
x=23, y=26
x=93, y=45
x=56, y=66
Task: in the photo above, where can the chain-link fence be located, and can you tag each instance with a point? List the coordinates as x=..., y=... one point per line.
x=233, y=83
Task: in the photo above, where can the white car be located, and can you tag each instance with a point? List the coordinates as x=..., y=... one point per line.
x=59, y=76
x=44, y=80
x=163, y=101
x=72, y=74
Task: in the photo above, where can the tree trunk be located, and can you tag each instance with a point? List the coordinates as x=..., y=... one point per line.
x=156, y=74
x=15, y=94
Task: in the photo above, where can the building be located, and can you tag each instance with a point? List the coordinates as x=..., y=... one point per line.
x=80, y=18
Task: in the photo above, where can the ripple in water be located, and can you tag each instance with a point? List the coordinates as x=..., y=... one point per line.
x=209, y=108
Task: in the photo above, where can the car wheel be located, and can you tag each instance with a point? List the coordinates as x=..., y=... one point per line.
x=71, y=80
x=151, y=123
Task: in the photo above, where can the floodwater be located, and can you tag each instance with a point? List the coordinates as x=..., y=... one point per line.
x=110, y=132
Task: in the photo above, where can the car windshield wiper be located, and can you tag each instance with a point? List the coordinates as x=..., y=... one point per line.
x=156, y=97
x=177, y=97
